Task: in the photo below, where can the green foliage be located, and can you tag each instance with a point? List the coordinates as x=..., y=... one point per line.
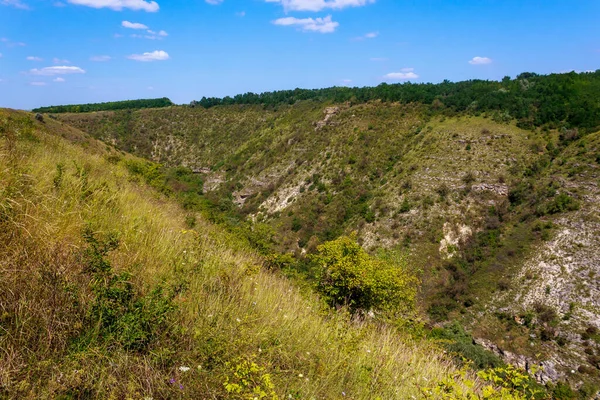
x=109, y=106
x=505, y=383
x=454, y=338
x=248, y=381
x=119, y=316
x=350, y=277
x=560, y=203
x=533, y=100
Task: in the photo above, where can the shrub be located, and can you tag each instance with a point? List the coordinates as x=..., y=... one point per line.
x=350, y=277
x=560, y=203
x=459, y=342
x=119, y=316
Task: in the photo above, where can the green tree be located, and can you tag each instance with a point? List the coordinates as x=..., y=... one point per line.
x=351, y=277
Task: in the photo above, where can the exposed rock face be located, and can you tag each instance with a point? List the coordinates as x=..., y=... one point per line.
x=329, y=113
x=453, y=236
x=543, y=372
x=499, y=189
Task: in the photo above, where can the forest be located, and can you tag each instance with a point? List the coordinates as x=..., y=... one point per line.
x=108, y=106
x=533, y=100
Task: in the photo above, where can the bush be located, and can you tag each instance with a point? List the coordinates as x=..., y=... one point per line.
x=561, y=203
x=459, y=342
x=119, y=316
x=350, y=277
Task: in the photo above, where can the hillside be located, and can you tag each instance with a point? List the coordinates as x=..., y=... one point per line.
x=109, y=290
x=500, y=221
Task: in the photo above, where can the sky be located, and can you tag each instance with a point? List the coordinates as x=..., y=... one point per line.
x=84, y=51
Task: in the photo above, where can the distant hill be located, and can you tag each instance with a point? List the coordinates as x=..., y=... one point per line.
x=108, y=106
x=532, y=100
x=490, y=187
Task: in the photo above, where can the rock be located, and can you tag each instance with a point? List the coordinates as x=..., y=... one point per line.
x=329, y=113
x=39, y=117
x=545, y=371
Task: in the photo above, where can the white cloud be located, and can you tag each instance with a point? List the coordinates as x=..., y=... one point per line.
x=118, y=5
x=157, y=55
x=58, y=79
x=59, y=4
x=214, y=2
x=150, y=31
x=100, y=58
x=321, y=25
x=162, y=33
x=480, y=61
x=370, y=35
x=15, y=3
x=37, y=83
x=150, y=88
x=117, y=35
x=58, y=70
x=318, y=5
x=57, y=60
x=405, y=74
x=10, y=43
x=241, y=14
x=33, y=58
x=133, y=25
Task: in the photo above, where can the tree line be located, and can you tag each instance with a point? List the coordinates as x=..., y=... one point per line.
x=533, y=100
x=108, y=106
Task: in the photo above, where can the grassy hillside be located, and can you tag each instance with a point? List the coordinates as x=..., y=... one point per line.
x=106, y=292
x=475, y=200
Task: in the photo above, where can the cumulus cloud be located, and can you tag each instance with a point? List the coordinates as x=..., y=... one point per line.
x=59, y=79
x=33, y=58
x=157, y=55
x=100, y=58
x=133, y=25
x=318, y=5
x=321, y=25
x=57, y=60
x=162, y=33
x=480, y=61
x=37, y=83
x=372, y=35
x=118, y=5
x=58, y=70
x=15, y=3
x=404, y=74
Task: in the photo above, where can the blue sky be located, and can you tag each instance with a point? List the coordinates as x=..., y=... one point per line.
x=80, y=51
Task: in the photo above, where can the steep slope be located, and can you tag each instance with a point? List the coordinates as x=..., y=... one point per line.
x=478, y=202
x=106, y=292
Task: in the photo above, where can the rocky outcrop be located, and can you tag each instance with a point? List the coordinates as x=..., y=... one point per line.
x=543, y=371
x=329, y=113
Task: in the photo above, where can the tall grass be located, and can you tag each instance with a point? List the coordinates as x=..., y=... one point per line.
x=229, y=314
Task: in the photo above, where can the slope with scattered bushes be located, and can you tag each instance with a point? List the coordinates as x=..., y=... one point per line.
x=109, y=289
x=484, y=203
